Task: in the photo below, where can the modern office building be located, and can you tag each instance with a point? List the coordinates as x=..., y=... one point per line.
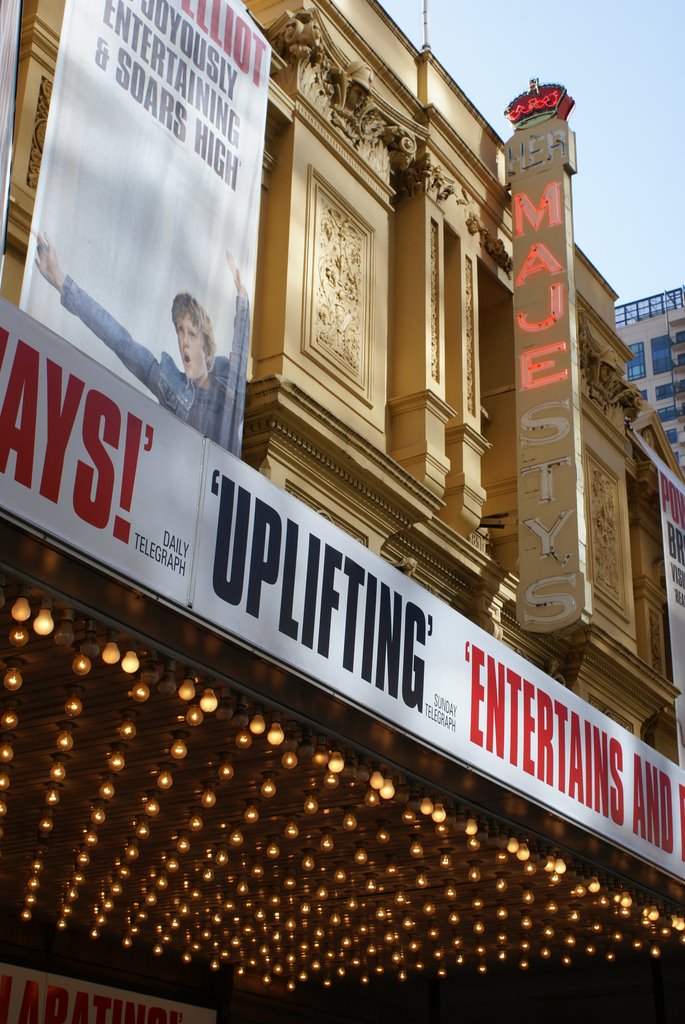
x=653, y=328
x=354, y=771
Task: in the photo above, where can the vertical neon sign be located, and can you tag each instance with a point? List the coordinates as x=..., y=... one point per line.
x=553, y=592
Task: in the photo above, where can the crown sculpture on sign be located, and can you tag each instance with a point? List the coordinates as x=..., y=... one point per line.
x=540, y=103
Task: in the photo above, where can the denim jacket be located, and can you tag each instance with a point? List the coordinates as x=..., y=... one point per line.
x=216, y=410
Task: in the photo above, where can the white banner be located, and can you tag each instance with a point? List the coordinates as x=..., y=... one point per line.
x=9, y=54
x=34, y=997
x=90, y=460
x=672, y=501
x=95, y=465
x=145, y=221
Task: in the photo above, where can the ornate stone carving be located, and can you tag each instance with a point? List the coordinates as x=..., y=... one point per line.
x=422, y=176
x=435, y=303
x=603, y=378
x=494, y=247
x=610, y=714
x=486, y=612
x=39, y=125
x=469, y=337
x=655, y=640
x=341, y=92
x=603, y=493
x=339, y=285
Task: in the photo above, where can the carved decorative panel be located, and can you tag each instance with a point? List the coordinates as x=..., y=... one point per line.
x=470, y=337
x=39, y=125
x=435, y=302
x=339, y=273
x=655, y=639
x=605, y=536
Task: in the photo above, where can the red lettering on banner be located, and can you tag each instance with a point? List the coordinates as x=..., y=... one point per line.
x=514, y=684
x=494, y=735
x=61, y=419
x=18, y=414
x=528, y=726
x=681, y=806
x=56, y=1005
x=134, y=1014
x=28, y=1012
x=545, y=738
x=561, y=713
x=236, y=39
x=101, y=1005
x=616, y=769
x=549, y=204
x=575, y=770
x=652, y=805
x=539, y=260
x=156, y=1015
x=6, y=980
x=672, y=496
x=588, y=764
x=477, y=694
x=80, y=1011
x=97, y=420
x=600, y=755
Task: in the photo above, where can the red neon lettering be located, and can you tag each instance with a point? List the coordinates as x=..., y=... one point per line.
x=549, y=204
x=556, y=307
x=94, y=485
x=539, y=259
x=533, y=364
x=477, y=694
x=61, y=418
x=18, y=415
x=528, y=764
x=533, y=104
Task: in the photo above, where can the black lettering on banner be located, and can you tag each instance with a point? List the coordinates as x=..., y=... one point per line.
x=389, y=636
x=286, y=622
x=355, y=579
x=311, y=592
x=265, y=553
x=412, y=666
x=330, y=598
x=231, y=589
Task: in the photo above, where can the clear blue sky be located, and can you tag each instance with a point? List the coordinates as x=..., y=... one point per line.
x=622, y=61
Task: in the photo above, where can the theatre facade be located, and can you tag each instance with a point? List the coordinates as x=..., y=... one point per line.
x=379, y=719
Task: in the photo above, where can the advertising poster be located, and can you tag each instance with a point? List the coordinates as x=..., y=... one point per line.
x=10, y=11
x=34, y=997
x=89, y=460
x=672, y=501
x=145, y=225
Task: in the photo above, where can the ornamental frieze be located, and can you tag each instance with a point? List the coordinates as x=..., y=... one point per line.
x=603, y=379
x=341, y=91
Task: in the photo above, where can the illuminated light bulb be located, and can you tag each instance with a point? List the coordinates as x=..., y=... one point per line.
x=387, y=790
x=512, y=844
x=9, y=718
x=127, y=728
x=523, y=853
x=130, y=662
x=226, y=771
x=426, y=805
x=450, y=889
x=257, y=723
x=64, y=634
x=372, y=798
x=110, y=652
x=106, y=789
x=471, y=827
x=80, y=666
x=52, y=794
x=439, y=813
x=21, y=610
x=6, y=750
x=336, y=762
x=194, y=715
x=46, y=823
x=4, y=779
x=311, y=804
x=90, y=836
x=186, y=690
x=268, y=787
x=140, y=691
x=195, y=822
x=165, y=779
x=65, y=739
x=560, y=865
x=98, y=814
x=502, y=913
x=73, y=705
x=291, y=830
x=349, y=822
x=551, y=907
x=273, y=850
x=383, y=834
x=243, y=739
x=530, y=867
x=251, y=813
x=308, y=863
x=178, y=749
x=331, y=780
x=13, y=679
x=116, y=759
x=151, y=805
x=474, y=873
x=416, y=848
x=208, y=797
x=19, y=635
x=171, y=863
x=360, y=855
x=209, y=701
x=43, y=624
x=182, y=843
x=236, y=837
x=593, y=885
